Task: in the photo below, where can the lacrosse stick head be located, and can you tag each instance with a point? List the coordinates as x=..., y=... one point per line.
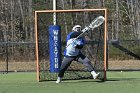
x=97, y=22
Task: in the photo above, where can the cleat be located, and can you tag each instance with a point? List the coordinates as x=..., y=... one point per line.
x=96, y=76
x=59, y=80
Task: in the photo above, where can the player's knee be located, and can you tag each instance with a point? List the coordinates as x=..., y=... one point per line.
x=86, y=60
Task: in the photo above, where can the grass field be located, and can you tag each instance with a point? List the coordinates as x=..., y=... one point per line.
x=117, y=82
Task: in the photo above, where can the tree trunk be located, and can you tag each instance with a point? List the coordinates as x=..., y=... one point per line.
x=30, y=21
x=22, y=14
x=117, y=20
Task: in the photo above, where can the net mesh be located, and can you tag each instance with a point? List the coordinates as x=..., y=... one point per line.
x=94, y=50
x=4, y=58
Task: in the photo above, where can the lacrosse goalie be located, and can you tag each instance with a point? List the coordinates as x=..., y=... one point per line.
x=75, y=42
x=73, y=53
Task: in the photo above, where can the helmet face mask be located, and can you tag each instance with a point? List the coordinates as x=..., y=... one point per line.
x=77, y=28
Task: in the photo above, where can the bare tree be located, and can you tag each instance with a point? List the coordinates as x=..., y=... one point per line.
x=117, y=20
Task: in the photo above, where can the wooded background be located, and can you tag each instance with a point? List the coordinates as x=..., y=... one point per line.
x=17, y=39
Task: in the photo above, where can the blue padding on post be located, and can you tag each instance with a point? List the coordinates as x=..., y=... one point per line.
x=55, y=48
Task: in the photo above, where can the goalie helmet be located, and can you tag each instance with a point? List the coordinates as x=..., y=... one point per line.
x=77, y=28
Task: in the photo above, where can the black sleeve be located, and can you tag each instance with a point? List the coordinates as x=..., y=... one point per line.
x=75, y=34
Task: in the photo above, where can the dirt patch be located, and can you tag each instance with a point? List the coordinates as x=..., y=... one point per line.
x=18, y=66
x=124, y=64
x=31, y=66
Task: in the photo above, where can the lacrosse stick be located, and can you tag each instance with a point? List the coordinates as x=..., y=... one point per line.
x=94, y=24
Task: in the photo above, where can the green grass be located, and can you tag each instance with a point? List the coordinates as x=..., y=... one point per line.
x=117, y=82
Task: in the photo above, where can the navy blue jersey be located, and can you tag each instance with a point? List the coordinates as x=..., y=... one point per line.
x=74, y=46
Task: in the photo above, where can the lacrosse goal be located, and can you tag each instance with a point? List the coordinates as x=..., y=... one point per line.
x=95, y=50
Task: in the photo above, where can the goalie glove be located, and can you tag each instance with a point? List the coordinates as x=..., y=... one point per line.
x=76, y=42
